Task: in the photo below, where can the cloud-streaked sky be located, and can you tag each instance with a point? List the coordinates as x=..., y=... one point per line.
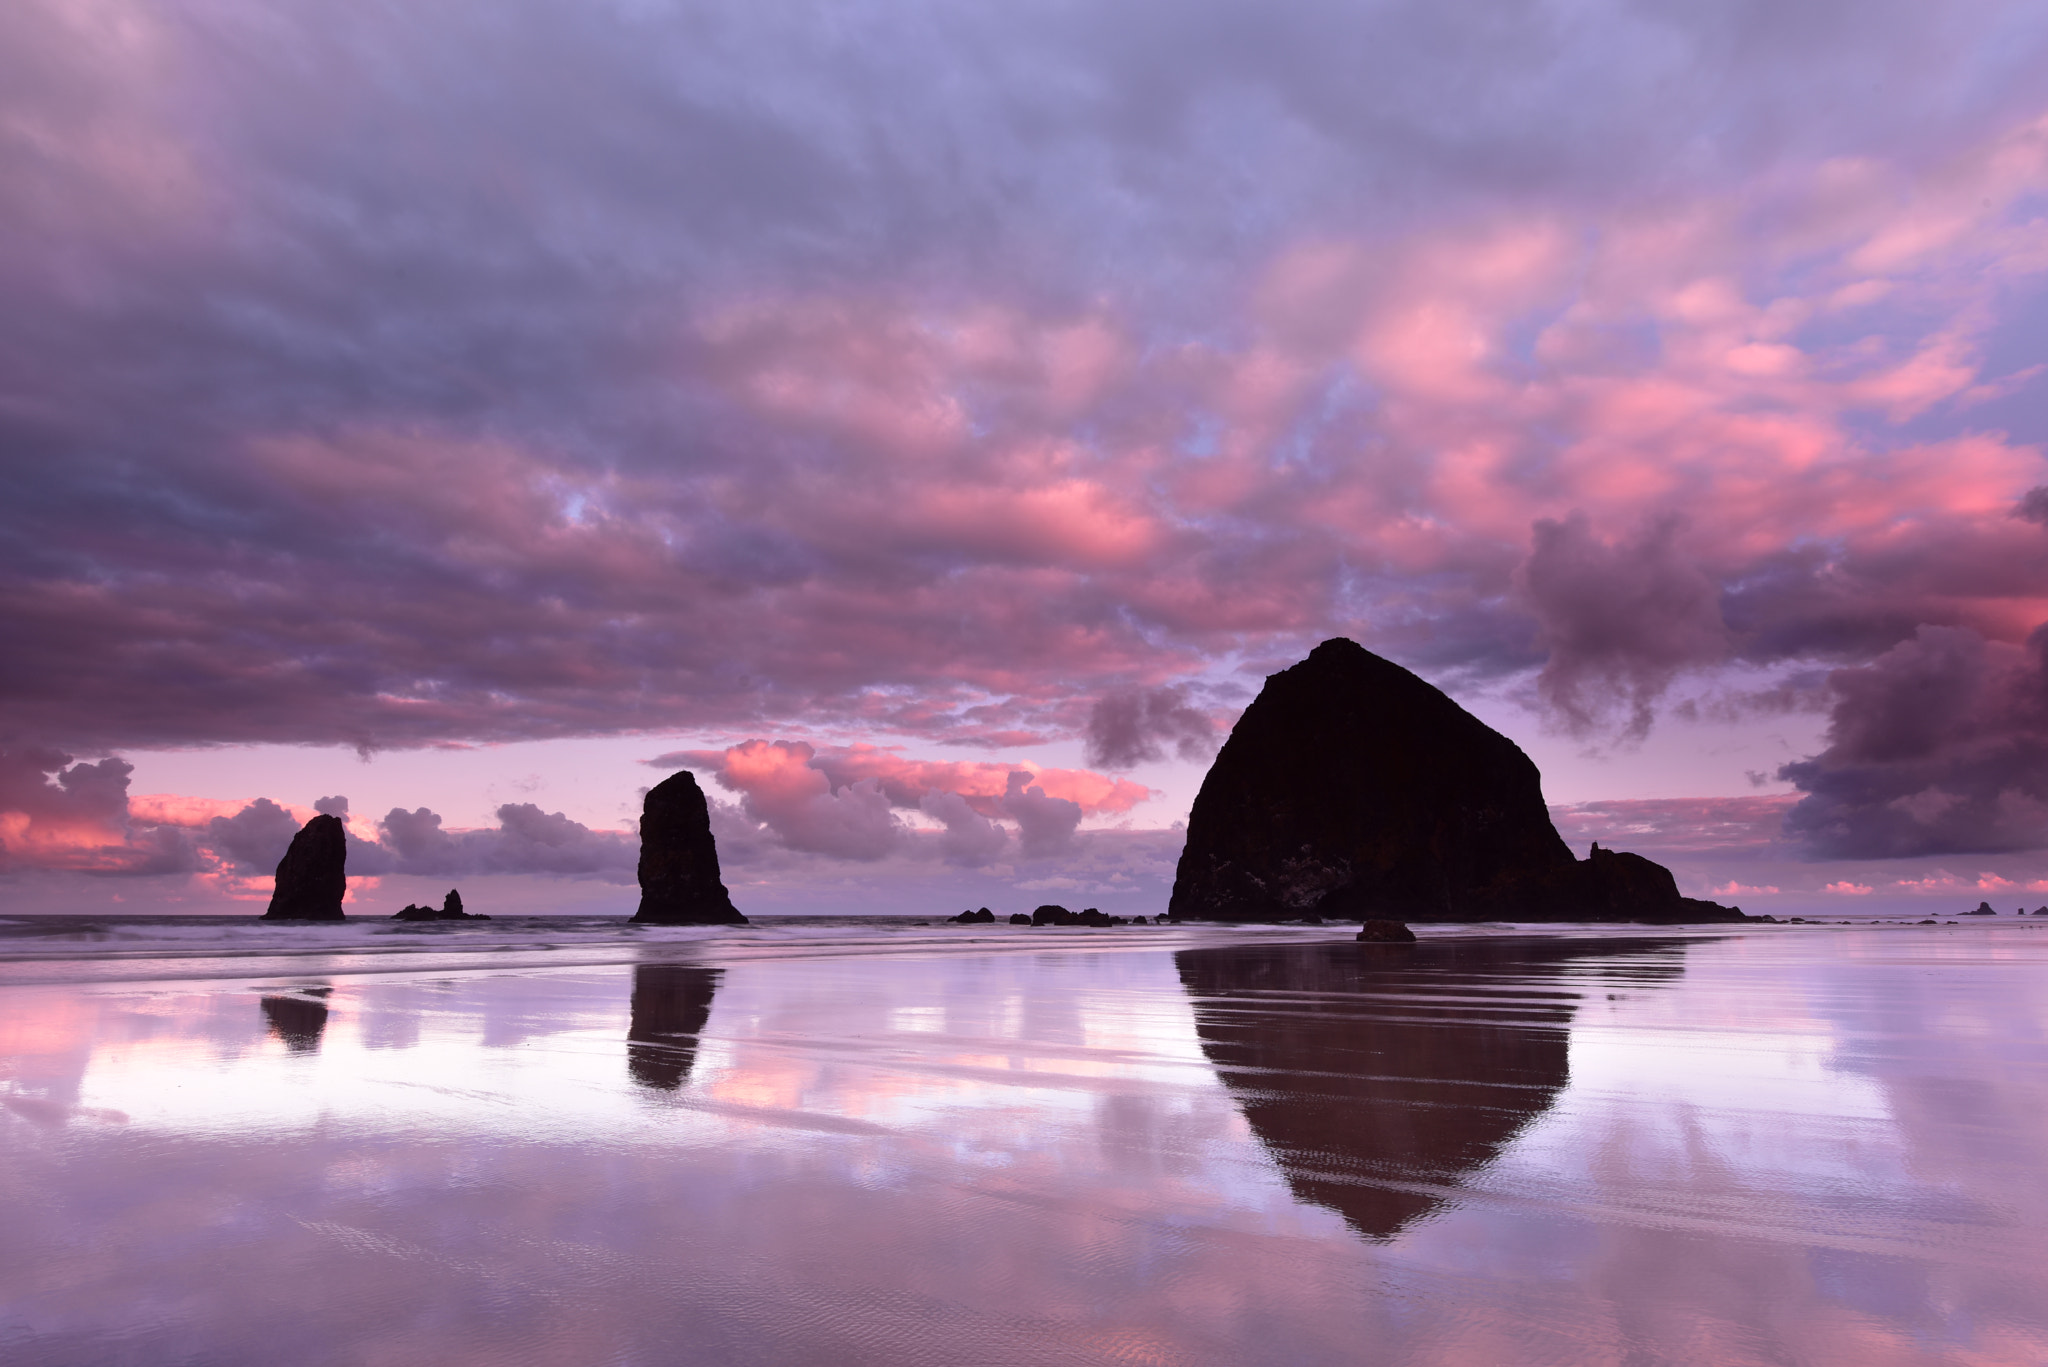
x=869, y=406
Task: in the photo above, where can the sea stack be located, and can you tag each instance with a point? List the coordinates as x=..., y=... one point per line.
x=310, y=877
x=1353, y=788
x=679, y=860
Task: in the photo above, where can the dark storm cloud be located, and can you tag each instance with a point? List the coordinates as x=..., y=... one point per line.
x=1617, y=620
x=1938, y=746
x=528, y=369
x=1134, y=726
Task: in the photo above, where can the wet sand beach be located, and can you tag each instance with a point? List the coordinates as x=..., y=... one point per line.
x=560, y=1141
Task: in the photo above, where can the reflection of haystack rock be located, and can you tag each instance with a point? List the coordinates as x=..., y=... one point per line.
x=297, y=1021
x=310, y=877
x=671, y=1004
x=679, y=882
x=1353, y=788
x=1360, y=1066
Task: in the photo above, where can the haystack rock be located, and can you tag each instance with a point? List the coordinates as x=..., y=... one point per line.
x=310, y=877
x=1353, y=788
x=679, y=860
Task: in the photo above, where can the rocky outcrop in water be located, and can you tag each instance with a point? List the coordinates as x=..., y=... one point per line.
x=1386, y=933
x=1052, y=914
x=1355, y=789
x=679, y=884
x=449, y=910
x=311, y=878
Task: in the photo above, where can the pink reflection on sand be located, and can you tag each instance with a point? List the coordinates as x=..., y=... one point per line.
x=1796, y=1144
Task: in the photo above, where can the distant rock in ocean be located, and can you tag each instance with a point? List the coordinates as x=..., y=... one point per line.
x=310, y=878
x=679, y=883
x=1355, y=789
x=1052, y=914
x=1386, y=933
x=1982, y=909
x=449, y=910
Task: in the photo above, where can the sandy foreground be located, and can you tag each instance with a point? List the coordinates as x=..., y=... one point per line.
x=563, y=1141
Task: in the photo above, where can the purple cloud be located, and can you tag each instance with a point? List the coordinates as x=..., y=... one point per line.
x=1939, y=746
x=1133, y=726
x=939, y=382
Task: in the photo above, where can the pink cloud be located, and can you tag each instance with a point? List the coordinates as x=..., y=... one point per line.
x=783, y=771
x=177, y=809
x=1939, y=882
x=60, y=815
x=841, y=801
x=1677, y=824
x=1603, y=440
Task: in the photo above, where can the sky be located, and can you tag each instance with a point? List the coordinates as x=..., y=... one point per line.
x=929, y=423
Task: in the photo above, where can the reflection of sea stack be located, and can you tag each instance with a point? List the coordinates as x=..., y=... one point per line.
x=679, y=860
x=310, y=881
x=671, y=1004
x=1368, y=1073
x=1353, y=788
x=296, y=1020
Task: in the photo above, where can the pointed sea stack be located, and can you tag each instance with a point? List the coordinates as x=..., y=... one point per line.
x=679, y=860
x=1352, y=788
x=310, y=877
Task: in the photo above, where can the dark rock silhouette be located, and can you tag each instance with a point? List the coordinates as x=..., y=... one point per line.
x=671, y=1004
x=679, y=860
x=1352, y=788
x=310, y=878
x=1020, y=919
x=1982, y=909
x=1387, y=933
x=1052, y=914
x=297, y=1021
x=449, y=910
x=973, y=918
x=1365, y=1071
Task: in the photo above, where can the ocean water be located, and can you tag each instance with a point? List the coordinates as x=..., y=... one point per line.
x=566, y=1141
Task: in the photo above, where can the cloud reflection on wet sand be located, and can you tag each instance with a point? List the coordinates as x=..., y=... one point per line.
x=1131, y=1148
